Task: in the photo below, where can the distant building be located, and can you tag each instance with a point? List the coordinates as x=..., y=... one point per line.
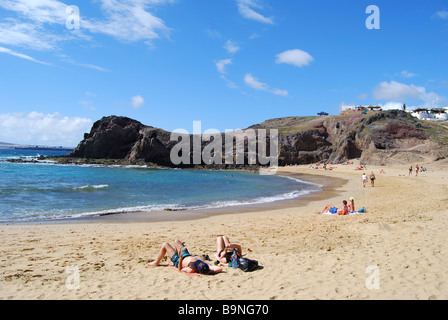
x=374, y=108
x=439, y=114
x=363, y=109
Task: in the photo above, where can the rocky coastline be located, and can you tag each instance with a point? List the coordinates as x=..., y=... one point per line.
x=376, y=138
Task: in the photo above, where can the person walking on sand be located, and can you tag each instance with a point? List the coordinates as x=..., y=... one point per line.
x=372, y=179
x=416, y=170
x=224, y=249
x=183, y=260
x=364, y=180
x=410, y=170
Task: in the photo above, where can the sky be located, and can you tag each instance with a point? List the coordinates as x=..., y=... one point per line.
x=227, y=63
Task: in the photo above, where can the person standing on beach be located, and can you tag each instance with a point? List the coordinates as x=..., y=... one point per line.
x=410, y=170
x=372, y=179
x=416, y=170
x=364, y=180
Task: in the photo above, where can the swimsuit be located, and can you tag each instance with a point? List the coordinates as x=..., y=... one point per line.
x=228, y=256
x=175, y=258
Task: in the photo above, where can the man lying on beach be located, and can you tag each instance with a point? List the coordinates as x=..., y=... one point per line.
x=332, y=209
x=224, y=249
x=183, y=260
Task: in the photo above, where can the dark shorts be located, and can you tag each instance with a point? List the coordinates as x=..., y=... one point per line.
x=175, y=258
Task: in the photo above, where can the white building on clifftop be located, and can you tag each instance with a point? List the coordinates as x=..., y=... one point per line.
x=439, y=114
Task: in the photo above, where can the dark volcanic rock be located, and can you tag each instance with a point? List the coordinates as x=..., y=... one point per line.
x=111, y=138
x=375, y=137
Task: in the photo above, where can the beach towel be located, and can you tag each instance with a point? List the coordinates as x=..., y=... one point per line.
x=363, y=209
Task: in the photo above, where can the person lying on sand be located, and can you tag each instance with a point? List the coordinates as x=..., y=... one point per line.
x=224, y=249
x=332, y=209
x=183, y=260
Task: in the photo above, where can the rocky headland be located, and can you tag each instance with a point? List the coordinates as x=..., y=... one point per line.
x=375, y=138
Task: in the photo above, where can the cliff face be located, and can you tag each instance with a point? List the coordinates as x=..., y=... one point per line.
x=378, y=137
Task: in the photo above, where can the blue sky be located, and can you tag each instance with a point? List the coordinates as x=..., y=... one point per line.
x=227, y=63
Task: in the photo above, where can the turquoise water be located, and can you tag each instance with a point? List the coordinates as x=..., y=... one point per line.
x=36, y=191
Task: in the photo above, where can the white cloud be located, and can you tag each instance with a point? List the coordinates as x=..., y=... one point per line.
x=213, y=33
x=67, y=59
x=128, y=21
x=21, y=55
x=137, y=102
x=442, y=14
x=254, y=36
x=280, y=92
x=23, y=34
x=41, y=11
x=43, y=129
x=230, y=83
x=396, y=91
x=254, y=83
x=295, y=57
x=392, y=105
x=407, y=74
x=221, y=65
x=231, y=47
x=41, y=24
x=246, y=9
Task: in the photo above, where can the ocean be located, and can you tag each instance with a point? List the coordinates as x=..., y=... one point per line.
x=35, y=191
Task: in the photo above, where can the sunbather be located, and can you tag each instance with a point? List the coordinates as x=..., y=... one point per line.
x=183, y=260
x=224, y=249
x=334, y=210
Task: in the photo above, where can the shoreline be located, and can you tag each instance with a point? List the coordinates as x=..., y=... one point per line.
x=326, y=186
x=304, y=255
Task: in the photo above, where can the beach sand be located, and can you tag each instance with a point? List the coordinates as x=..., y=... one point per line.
x=398, y=249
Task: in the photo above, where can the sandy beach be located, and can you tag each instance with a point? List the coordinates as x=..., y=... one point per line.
x=397, y=249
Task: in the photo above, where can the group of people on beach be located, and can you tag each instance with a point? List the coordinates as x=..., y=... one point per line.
x=188, y=263
x=417, y=169
x=371, y=177
x=343, y=210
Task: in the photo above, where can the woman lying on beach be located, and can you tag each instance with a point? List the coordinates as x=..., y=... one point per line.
x=183, y=260
x=334, y=210
x=224, y=249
